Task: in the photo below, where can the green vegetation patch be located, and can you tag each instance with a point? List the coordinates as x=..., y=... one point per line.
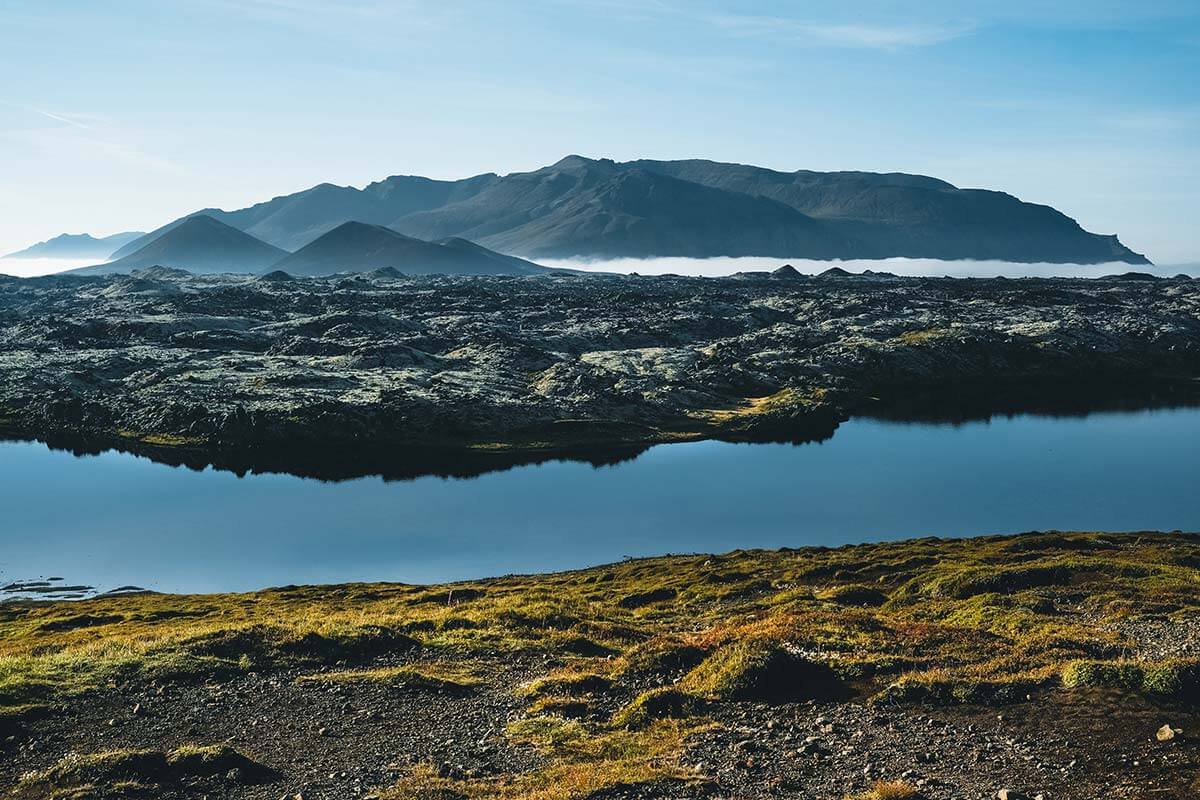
x=941, y=689
x=444, y=678
x=854, y=594
x=1175, y=680
x=665, y=702
x=661, y=656
x=570, y=683
x=141, y=767
x=763, y=670
x=889, y=790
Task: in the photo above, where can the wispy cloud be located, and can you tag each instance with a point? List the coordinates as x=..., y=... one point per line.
x=74, y=120
x=331, y=16
x=81, y=135
x=877, y=36
x=1162, y=121
x=82, y=144
x=825, y=31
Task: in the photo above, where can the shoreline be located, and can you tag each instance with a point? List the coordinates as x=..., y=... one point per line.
x=795, y=421
x=48, y=586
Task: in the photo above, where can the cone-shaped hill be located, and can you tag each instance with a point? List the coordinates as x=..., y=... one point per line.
x=359, y=247
x=198, y=244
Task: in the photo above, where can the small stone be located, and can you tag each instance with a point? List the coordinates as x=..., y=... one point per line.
x=1166, y=733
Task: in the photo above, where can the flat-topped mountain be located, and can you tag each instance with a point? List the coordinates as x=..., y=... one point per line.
x=599, y=208
x=198, y=244
x=359, y=247
x=78, y=245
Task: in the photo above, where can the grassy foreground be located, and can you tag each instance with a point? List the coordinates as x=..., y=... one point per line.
x=636, y=654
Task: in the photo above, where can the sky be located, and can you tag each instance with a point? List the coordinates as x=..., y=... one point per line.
x=126, y=114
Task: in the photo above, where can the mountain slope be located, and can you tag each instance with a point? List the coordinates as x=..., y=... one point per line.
x=638, y=213
x=77, y=245
x=897, y=214
x=600, y=208
x=359, y=247
x=198, y=244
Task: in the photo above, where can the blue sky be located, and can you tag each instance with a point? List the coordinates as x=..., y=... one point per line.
x=128, y=113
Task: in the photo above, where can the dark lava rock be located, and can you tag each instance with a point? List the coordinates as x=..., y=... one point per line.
x=337, y=378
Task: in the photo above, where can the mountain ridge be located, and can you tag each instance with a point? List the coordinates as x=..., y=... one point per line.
x=601, y=208
x=77, y=245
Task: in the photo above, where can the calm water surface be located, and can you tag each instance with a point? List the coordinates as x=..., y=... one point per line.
x=117, y=519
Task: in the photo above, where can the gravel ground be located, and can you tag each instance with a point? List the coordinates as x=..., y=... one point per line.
x=344, y=740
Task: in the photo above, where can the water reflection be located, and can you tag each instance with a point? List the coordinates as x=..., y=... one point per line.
x=114, y=520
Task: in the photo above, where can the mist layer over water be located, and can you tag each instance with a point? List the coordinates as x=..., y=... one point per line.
x=916, y=267
x=32, y=267
x=717, y=267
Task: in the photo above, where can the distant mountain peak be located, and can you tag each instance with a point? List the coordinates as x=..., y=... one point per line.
x=76, y=245
x=575, y=160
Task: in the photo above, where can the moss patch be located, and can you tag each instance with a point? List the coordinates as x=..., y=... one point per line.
x=763, y=670
x=143, y=767
x=448, y=679
x=662, y=703
x=889, y=790
x=1174, y=680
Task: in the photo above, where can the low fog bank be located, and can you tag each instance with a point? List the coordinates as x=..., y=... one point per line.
x=716, y=267
x=30, y=267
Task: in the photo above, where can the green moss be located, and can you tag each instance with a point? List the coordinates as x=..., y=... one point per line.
x=144, y=767
x=663, y=703
x=661, y=656
x=967, y=582
x=447, y=679
x=1103, y=675
x=854, y=594
x=565, y=707
x=943, y=690
x=762, y=670
x=889, y=790
x=1177, y=680
x=568, y=683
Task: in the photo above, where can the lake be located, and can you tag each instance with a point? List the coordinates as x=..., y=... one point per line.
x=117, y=519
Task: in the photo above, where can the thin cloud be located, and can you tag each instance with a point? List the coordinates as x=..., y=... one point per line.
x=63, y=118
x=1158, y=120
x=75, y=137
x=330, y=16
x=879, y=36
x=874, y=36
